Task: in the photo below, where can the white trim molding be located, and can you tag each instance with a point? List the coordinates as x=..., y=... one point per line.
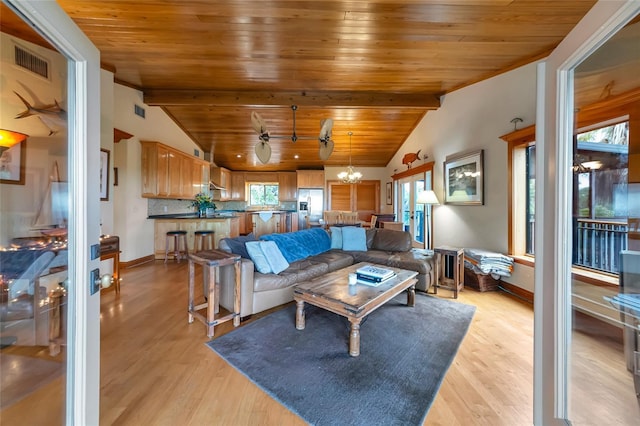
x=552, y=308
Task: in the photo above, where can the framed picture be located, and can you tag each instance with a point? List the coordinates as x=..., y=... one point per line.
x=389, y=193
x=104, y=175
x=12, y=164
x=464, y=179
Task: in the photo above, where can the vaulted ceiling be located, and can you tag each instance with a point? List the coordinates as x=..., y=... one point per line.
x=374, y=67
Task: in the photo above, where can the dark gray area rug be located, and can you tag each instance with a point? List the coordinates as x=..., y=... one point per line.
x=404, y=355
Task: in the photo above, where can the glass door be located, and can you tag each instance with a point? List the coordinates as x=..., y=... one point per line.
x=415, y=217
x=49, y=217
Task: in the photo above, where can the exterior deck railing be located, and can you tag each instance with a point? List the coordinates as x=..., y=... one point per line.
x=596, y=243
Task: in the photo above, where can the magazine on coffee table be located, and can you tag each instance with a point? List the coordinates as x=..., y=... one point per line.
x=373, y=275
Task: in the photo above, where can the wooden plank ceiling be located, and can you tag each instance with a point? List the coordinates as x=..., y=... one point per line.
x=374, y=67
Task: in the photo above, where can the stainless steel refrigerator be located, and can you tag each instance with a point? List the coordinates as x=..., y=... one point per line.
x=311, y=205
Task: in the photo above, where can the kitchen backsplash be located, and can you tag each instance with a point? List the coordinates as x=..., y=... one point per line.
x=158, y=206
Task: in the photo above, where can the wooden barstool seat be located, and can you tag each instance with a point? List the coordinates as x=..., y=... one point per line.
x=203, y=240
x=178, y=236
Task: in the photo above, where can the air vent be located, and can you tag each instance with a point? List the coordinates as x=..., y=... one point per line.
x=31, y=62
x=139, y=111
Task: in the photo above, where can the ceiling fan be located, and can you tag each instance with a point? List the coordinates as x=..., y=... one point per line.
x=263, y=149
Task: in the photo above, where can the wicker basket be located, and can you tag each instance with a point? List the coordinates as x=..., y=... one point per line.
x=480, y=282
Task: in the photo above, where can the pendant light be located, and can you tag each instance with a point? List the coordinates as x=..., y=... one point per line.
x=350, y=175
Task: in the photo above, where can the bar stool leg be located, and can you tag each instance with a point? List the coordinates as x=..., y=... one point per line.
x=166, y=248
x=176, y=247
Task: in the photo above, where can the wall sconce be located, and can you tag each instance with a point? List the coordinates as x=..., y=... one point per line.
x=9, y=138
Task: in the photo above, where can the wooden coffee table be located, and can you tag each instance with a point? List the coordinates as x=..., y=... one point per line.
x=333, y=293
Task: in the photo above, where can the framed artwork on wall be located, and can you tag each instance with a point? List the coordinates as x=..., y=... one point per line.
x=104, y=175
x=12, y=164
x=389, y=193
x=464, y=178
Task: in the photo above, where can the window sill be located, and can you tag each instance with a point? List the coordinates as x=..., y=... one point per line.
x=580, y=274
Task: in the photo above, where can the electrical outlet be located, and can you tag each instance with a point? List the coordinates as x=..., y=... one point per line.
x=95, y=251
x=94, y=281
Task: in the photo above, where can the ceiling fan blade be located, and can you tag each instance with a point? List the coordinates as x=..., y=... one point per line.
x=325, y=129
x=259, y=125
x=263, y=152
x=326, y=148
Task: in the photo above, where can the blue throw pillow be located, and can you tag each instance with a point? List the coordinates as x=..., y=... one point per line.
x=336, y=237
x=236, y=245
x=266, y=257
x=354, y=238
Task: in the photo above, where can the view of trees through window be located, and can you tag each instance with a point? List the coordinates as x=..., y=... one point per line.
x=263, y=194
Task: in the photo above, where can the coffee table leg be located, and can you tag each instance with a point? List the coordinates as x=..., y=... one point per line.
x=300, y=315
x=354, y=337
x=411, y=296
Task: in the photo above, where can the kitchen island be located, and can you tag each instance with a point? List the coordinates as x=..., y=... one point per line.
x=224, y=226
x=271, y=222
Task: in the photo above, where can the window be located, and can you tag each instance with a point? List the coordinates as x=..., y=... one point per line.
x=600, y=194
x=263, y=194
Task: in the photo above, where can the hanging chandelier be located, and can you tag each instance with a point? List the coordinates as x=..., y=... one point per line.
x=350, y=175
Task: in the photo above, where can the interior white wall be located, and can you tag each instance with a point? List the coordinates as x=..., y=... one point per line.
x=130, y=221
x=470, y=119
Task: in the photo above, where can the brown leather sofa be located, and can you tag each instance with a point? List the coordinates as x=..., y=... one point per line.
x=260, y=292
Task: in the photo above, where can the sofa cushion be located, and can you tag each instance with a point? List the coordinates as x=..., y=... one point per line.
x=266, y=256
x=335, y=259
x=390, y=240
x=371, y=234
x=336, y=237
x=266, y=282
x=301, y=244
x=354, y=238
x=236, y=245
x=307, y=269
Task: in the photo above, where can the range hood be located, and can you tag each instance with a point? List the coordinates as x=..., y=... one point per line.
x=213, y=186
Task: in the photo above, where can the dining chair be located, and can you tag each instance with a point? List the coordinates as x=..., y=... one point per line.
x=331, y=218
x=349, y=218
x=372, y=222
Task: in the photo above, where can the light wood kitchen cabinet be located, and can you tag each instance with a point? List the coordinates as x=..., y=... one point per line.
x=310, y=178
x=242, y=223
x=169, y=173
x=261, y=225
x=237, y=186
x=222, y=177
x=262, y=177
x=287, y=190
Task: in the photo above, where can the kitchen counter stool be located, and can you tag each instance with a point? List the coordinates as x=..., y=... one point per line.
x=203, y=240
x=178, y=236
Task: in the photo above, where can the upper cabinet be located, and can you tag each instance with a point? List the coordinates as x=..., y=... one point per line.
x=287, y=190
x=310, y=178
x=237, y=186
x=169, y=173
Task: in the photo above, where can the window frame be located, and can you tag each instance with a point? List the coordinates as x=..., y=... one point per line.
x=614, y=109
x=264, y=186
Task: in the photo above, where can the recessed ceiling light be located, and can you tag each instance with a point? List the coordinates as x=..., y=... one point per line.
x=239, y=156
x=296, y=156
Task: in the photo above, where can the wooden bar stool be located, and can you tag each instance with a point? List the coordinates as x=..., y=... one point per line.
x=177, y=237
x=203, y=240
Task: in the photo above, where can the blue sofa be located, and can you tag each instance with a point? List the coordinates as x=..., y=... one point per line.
x=311, y=253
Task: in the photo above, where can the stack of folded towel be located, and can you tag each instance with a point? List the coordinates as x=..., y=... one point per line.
x=486, y=262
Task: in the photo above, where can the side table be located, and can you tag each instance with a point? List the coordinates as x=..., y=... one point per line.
x=444, y=254
x=209, y=260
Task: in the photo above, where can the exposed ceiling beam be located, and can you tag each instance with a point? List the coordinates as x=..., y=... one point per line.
x=302, y=98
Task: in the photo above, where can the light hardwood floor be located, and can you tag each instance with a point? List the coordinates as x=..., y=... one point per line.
x=156, y=369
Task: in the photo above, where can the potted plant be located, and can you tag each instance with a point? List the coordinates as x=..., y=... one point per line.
x=202, y=202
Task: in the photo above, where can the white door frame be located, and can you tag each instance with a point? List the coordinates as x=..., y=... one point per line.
x=554, y=130
x=83, y=112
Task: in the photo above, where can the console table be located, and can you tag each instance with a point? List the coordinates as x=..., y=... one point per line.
x=449, y=259
x=110, y=249
x=210, y=260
